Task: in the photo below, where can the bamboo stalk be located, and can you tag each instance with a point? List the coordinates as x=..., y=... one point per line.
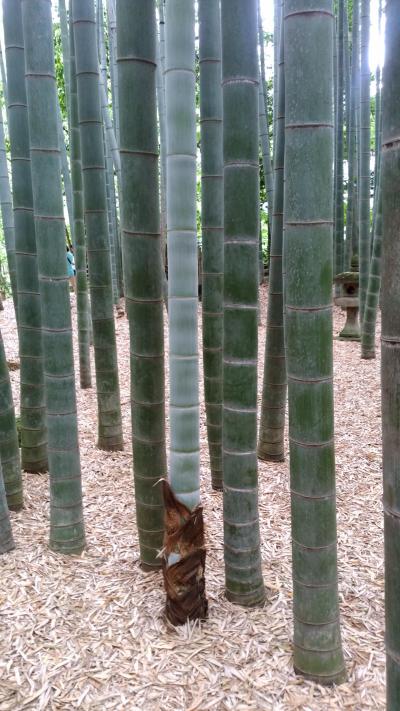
x=9, y=447
x=365, y=152
x=390, y=346
x=67, y=533
x=95, y=208
x=212, y=225
x=7, y=216
x=308, y=213
x=240, y=77
x=142, y=267
x=184, y=546
x=82, y=293
x=272, y=424
x=33, y=409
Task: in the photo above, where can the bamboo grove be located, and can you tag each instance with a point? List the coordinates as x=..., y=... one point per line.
x=151, y=156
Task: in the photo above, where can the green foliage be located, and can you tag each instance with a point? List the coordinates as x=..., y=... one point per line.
x=58, y=58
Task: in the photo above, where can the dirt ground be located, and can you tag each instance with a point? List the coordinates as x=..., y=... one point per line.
x=89, y=632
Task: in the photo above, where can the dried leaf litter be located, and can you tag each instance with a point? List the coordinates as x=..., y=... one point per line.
x=89, y=632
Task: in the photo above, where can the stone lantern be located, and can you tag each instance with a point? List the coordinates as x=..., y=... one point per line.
x=348, y=299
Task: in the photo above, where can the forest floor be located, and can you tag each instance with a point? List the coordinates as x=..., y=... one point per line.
x=88, y=632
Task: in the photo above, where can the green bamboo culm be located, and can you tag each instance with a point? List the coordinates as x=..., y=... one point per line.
x=240, y=75
x=67, y=533
x=374, y=284
x=272, y=424
x=364, y=156
x=6, y=537
x=95, y=209
x=107, y=133
x=352, y=138
x=308, y=213
x=136, y=42
x=264, y=124
x=9, y=447
x=82, y=292
x=7, y=216
x=184, y=552
x=66, y=53
x=390, y=346
x=212, y=225
x=112, y=35
x=163, y=138
x=339, y=207
x=33, y=409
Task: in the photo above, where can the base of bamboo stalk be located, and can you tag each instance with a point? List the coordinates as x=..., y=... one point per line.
x=256, y=599
x=110, y=446
x=15, y=507
x=151, y=567
x=368, y=355
x=339, y=678
x=42, y=469
x=184, y=580
x=264, y=457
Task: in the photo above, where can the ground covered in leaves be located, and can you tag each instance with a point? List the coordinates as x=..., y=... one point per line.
x=89, y=632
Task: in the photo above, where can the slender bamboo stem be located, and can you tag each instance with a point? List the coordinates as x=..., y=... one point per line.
x=65, y=170
x=352, y=139
x=7, y=216
x=95, y=208
x=185, y=596
x=112, y=37
x=365, y=153
x=212, y=224
x=67, y=533
x=308, y=325
x=339, y=207
x=374, y=284
x=82, y=294
x=163, y=139
x=272, y=425
x=263, y=119
x=390, y=346
x=33, y=410
x=240, y=77
x=6, y=537
x=136, y=23
x=66, y=53
x=9, y=447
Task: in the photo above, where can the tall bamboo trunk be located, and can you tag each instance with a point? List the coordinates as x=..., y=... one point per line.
x=136, y=23
x=374, y=284
x=162, y=139
x=112, y=34
x=67, y=534
x=365, y=153
x=95, y=208
x=9, y=447
x=7, y=216
x=33, y=410
x=308, y=294
x=184, y=543
x=66, y=53
x=264, y=123
x=82, y=293
x=339, y=217
x=390, y=368
x=6, y=536
x=352, y=140
x=212, y=225
x=272, y=425
x=240, y=76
